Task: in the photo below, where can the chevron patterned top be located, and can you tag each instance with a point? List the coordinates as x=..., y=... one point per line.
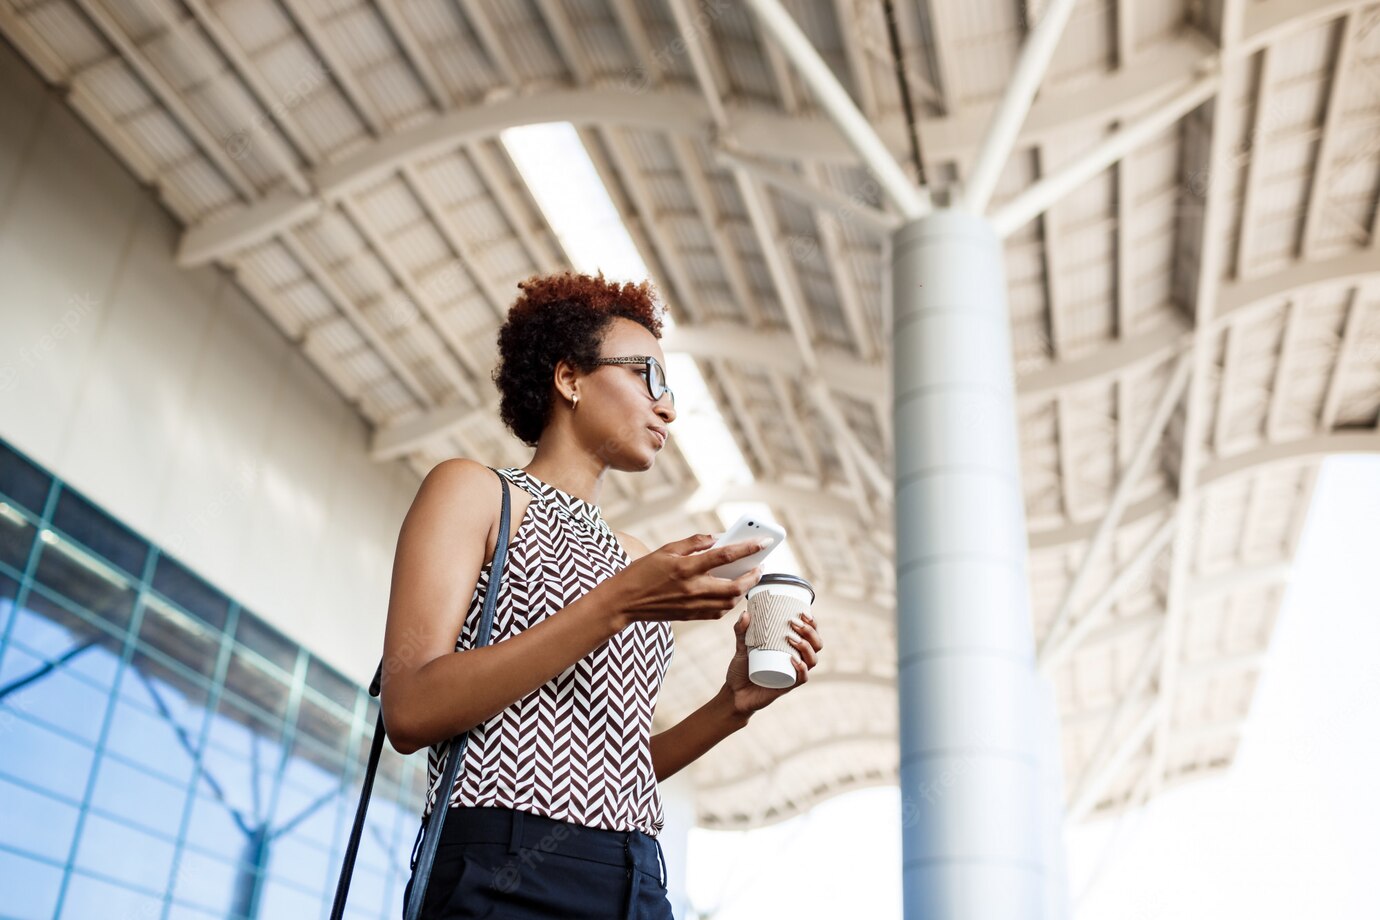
x=578, y=748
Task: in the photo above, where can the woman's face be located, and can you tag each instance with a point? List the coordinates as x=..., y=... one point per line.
x=616, y=415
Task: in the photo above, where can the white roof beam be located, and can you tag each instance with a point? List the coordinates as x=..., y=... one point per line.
x=1129, y=481
x=773, y=19
x=846, y=207
x=267, y=97
x=1092, y=790
x=389, y=355
x=1000, y=137
x=1225, y=118
x=1104, y=751
x=1322, y=164
x=1020, y=210
x=1346, y=348
x=1269, y=21
x=170, y=98
x=423, y=300
x=1287, y=453
x=1057, y=648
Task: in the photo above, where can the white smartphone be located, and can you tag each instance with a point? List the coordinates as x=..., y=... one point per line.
x=748, y=527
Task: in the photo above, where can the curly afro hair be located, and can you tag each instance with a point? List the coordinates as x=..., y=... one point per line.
x=561, y=316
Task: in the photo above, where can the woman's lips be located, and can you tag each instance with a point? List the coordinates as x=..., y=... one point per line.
x=661, y=438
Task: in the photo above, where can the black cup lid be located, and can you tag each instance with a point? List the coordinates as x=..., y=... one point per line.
x=785, y=578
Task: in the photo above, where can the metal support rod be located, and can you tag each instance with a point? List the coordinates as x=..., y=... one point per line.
x=1006, y=121
x=1039, y=197
x=911, y=201
x=1120, y=497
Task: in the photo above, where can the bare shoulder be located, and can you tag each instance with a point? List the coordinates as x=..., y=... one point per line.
x=459, y=483
x=634, y=547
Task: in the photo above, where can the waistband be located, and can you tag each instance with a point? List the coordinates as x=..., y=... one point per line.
x=518, y=830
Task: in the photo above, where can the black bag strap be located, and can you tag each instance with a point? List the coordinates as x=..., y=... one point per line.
x=454, y=754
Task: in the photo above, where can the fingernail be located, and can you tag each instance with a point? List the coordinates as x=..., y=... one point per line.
x=796, y=623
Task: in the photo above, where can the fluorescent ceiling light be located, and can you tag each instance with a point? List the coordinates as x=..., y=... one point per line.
x=562, y=178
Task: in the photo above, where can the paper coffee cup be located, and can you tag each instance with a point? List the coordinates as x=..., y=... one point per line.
x=776, y=599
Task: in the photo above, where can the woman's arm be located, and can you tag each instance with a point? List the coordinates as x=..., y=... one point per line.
x=430, y=692
x=686, y=741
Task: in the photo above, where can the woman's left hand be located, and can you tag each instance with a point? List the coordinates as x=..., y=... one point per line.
x=747, y=696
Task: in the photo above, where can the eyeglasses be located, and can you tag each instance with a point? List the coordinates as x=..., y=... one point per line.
x=652, y=372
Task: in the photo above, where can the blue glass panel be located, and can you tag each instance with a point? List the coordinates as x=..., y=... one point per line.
x=147, y=738
x=16, y=539
x=50, y=693
x=280, y=900
x=116, y=849
x=22, y=481
x=97, y=531
x=213, y=828
x=331, y=684
x=243, y=755
x=185, y=912
x=30, y=887
x=179, y=584
x=304, y=864
x=206, y=881
x=9, y=590
x=154, y=686
x=113, y=603
x=254, y=680
x=257, y=636
x=142, y=798
x=36, y=823
x=41, y=757
x=367, y=891
x=88, y=897
x=180, y=637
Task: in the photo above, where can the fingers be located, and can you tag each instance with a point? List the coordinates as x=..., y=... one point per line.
x=743, y=582
x=730, y=553
x=691, y=544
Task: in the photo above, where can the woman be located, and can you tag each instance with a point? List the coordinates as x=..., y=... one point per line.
x=556, y=808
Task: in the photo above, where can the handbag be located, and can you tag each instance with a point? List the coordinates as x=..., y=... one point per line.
x=431, y=829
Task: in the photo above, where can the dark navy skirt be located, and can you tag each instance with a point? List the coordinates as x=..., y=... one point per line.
x=513, y=865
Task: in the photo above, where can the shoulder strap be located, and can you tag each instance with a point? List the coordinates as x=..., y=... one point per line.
x=456, y=752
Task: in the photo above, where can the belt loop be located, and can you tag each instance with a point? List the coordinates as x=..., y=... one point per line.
x=515, y=840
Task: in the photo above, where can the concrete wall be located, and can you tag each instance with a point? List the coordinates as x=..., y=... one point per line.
x=167, y=397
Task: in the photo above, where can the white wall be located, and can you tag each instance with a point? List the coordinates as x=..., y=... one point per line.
x=172, y=401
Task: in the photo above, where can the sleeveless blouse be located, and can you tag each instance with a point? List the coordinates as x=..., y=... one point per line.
x=578, y=748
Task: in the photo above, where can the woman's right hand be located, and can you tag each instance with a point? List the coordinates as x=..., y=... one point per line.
x=673, y=582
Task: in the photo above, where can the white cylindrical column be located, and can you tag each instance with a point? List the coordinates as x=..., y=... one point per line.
x=678, y=800
x=970, y=779
x=1051, y=760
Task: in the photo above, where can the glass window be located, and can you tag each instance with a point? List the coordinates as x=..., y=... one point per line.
x=16, y=537
x=283, y=900
x=9, y=590
x=36, y=823
x=181, y=638
x=86, y=583
x=22, y=481
x=41, y=757
x=100, y=533
x=147, y=737
x=30, y=886
x=158, y=687
x=88, y=897
x=257, y=636
x=133, y=794
x=331, y=684
x=205, y=881
x=212, y=828
x=115, y=849
x=54, y=695
x=179, y=585
x=254, y=680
